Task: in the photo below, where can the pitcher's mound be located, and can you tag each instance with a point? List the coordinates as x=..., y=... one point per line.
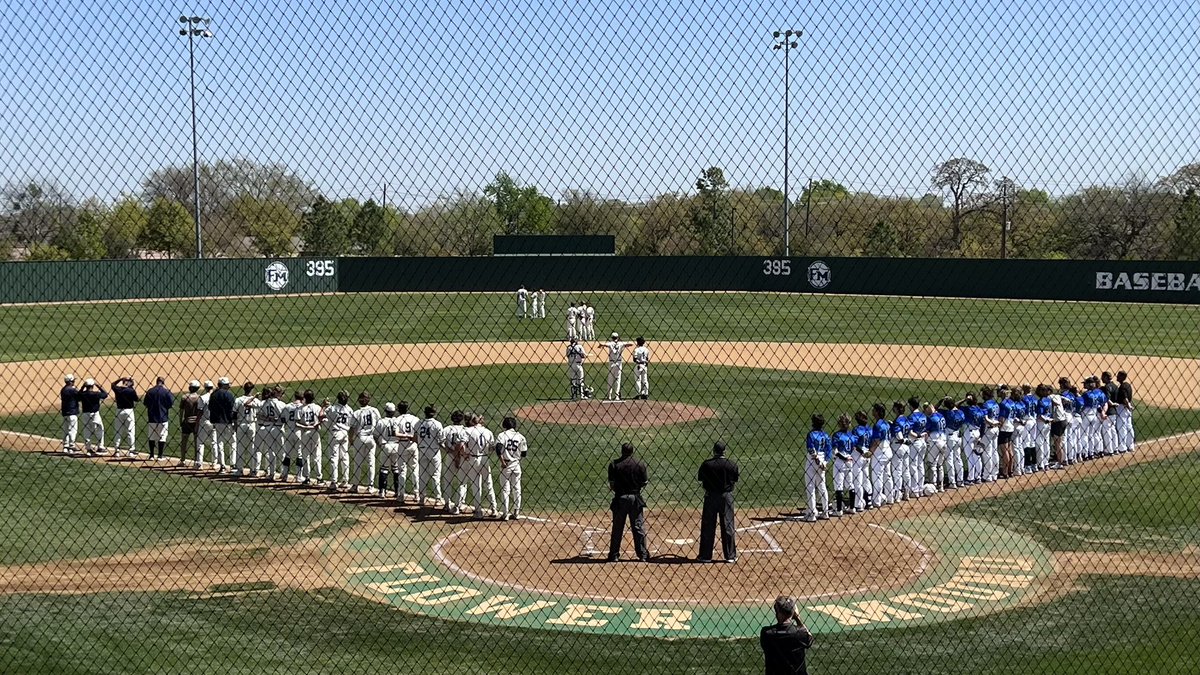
x=634, y=414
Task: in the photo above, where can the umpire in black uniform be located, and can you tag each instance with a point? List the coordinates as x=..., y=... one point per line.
x=626, y=478
x=718, y=476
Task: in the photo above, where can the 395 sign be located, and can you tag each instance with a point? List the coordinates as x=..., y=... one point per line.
x=777, y=268
x=320, y=268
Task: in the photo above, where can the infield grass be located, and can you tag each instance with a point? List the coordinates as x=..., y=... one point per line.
x=1118, y=625
x=72, y=330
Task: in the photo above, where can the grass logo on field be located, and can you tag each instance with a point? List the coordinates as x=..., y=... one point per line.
x=819, y=274
x=277, y=276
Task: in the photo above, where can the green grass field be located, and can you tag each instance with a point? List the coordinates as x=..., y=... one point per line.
x=56, y=331
x=57, y=508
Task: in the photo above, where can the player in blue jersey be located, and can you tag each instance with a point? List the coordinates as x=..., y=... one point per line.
x=1070, y=410
x=1043, y=422
x=843, y=465
x=935, y=455
x=918, y=447
x=990, y=434
x=973, y=445
x=1031, y=431
x=1009, y=420
x=860, y=475
x=820, y=452
x=881, y=458
x=955, y=429
x=902, y=453
x=1092, y=419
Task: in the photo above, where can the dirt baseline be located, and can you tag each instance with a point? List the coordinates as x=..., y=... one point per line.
x=627, y=414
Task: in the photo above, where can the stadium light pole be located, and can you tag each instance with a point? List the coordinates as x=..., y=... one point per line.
x=193, y=30
x=785, y=41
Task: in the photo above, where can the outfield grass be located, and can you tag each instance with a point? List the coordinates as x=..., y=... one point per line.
x=55, y=331
x=762, y=414
x=58, y=509
x=332, y=631
x=1147, y=507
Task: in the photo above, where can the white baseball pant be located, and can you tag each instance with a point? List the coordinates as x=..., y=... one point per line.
x=339, y=457
x=991, y=453
x=881, y=474
x=936, y=454
x=1108, y=435
x=224, y=444
x=954, y=459
x=510, y=487
x=245, y=453
x=291, y=452
x=157, y=431
x=1042, y=443
x=1031, y=439
x=642, y=378
x=1125, y=436
x=815, y=487
x=614, y=380
x=204, y=439
x=521, y=313
x=430, y=470
x=476, y=472
x=974, y=450
x=364, y=453
x=900, y=459
x=575, y=375
x=451, y=475
x=571, y=330
x=310, y=447
x=916, y=465
x=1091, y=433
x=93, y=431
x=124, y=429
x=858, y=479
x=1018, y=447
x=70, y=432
x=268, y=445
x=410, y=467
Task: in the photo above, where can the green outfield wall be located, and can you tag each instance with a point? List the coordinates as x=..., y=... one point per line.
x=28, y=282
x=1159, y=282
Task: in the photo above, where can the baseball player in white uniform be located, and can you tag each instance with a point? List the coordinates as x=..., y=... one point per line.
x=454, y=442
x=124, y=430
x=535, y=301
x=641, y=368
x=541, y=296
x=245, y=454
x=572, y=320
x=589, y=321
x=429, y=445
x=205, y=429
x=477, y=466
x=522, y=300
x=575, y=356
x=362, y=431
x=512, y=448
x=90, y=397
x=308, y=421
x=268, y=441
x=616, y=364
x=291, y=436
x=882, y=487
x=336, y=418
x=410, y=464
x=388, y=433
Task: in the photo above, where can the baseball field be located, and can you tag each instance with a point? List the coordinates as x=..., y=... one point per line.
x=119, y=564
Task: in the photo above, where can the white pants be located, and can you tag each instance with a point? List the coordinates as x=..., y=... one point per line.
x=451, y=475
x=510, y=488
x=1108, y=435
x=521, y=309
x=815, y=488
x=204, y=439
x=410, y=467
x=973, y=449
x=93, y=430
x=843, y=471
x=916, y=466
x=124, y=429
x=430, y=471
x=268, y=444
x=991, y=453
x=858, y=479
x=224, y=444
x=1091, y=433
x=477, y=473
x=881, y=474
x=900, y=460
x=642, y=379
x=954, y=460
x=591, y=330
x=614, y=380
x=339, y=457
x=936, y=454
x=364, y=453
x=70, y=431
x=389, y=458
x=1125, y=440
x=542, y=310
x=575, y=375
x=571, y=330
x=157, y=431
x=310, y=448
x=1071, y=438
x=1042, y=443
x=245, y=452
x=536, y=308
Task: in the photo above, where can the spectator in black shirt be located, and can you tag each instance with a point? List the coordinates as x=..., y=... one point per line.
x=626, y=478
x=784, y=643
x=718, y=476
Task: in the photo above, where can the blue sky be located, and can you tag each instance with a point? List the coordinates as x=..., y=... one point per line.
x=625, y=99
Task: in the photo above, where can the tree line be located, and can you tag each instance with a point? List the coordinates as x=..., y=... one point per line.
x=252, y=209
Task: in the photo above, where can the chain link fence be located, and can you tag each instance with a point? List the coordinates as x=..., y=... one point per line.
x=474, y=337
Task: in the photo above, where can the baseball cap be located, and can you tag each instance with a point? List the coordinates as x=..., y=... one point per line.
x=389, y=407
x=194, y=384
x=208, y=384
x=89, y=382
x=68, y=378
x=615, y=335
x=223, y=381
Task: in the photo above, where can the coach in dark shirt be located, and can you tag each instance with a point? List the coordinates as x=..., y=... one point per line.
x=626, y=478
x=718, y=475
x=220, y=404
x=784, y=643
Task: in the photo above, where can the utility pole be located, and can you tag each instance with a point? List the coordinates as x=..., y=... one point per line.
x=1007, y=224
x=807, y=208
x=193, y=31
x=784, y=41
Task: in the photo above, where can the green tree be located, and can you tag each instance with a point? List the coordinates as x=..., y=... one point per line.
x=882, y=241
x=965, y=184
x=269, y=223
x=712, y=213
x=665, y=227
x=521, y=210
x=47, y=252
x=1185, y=238
x=371, y=234
x=168, y=227
x=82, y=237
x=326, y=229
x=123, y=228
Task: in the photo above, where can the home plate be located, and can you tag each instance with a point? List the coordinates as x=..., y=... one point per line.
x=680, y=542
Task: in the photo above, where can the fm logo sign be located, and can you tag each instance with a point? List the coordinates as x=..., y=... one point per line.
x=276, y=276
x=819, y=275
